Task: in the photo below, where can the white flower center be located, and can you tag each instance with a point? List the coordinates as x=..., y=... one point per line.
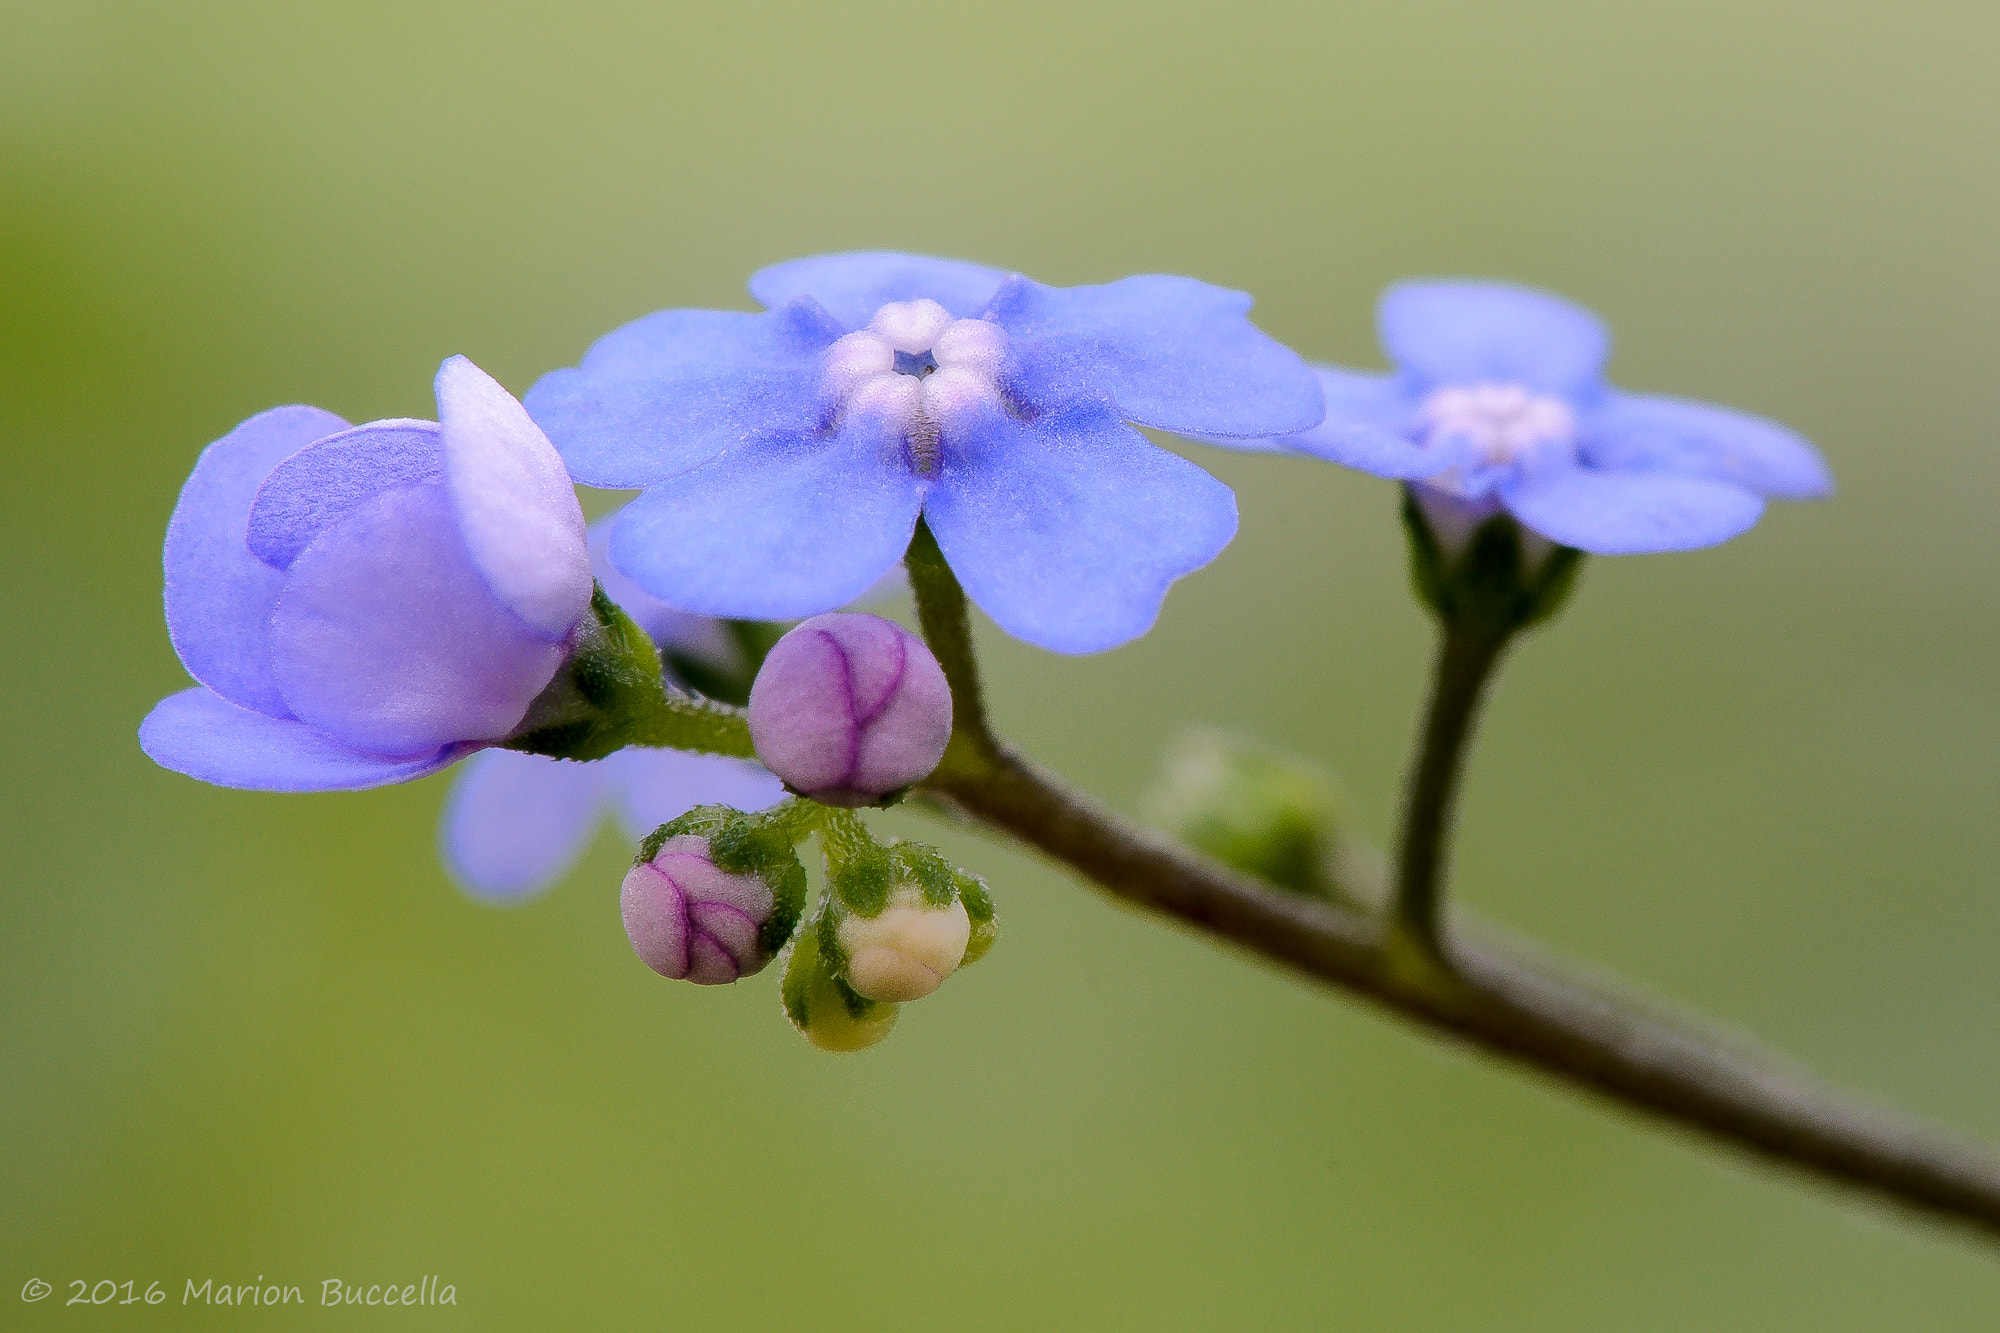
x=1507, y=426
x=916, y=369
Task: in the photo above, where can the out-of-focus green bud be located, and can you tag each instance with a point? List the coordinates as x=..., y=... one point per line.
x=1262, y=811
x=826, y=1010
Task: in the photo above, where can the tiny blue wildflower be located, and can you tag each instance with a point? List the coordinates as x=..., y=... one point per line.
x=367, y=605
x=1499, y=402
x=787, y=455
x=515, y=823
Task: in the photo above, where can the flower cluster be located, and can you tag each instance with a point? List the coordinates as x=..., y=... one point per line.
x=370, y=604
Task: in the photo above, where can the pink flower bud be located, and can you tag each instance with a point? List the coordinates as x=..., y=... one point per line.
x=688, y=919
x=849, y=708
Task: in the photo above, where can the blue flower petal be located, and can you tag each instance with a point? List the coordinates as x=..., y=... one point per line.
x=1368, y=420
x=672, y=390
x=1170, y=352
x=1068, y=531
x=775, y=530
x=515, y=823
x=670, y=628
x=516, y=506
x=387, y=637
x=201, y=734
x=653, y=786
x=219, y=596
x=1703, y=440
x=1629, y=513
x=853, y=287
x=1439, y=333
x=326, y=481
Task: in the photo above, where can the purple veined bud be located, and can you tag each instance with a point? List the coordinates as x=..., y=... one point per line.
x=689, y=920
x=849, y=708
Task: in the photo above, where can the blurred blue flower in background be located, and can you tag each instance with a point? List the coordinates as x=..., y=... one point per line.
x=1499, y=402
x=515, y=823
x=787, y=455
x=367, y=605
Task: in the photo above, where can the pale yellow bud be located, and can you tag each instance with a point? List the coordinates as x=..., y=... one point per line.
x=905, y=951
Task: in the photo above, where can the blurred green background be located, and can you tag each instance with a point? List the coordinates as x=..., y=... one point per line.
x=245, y=1034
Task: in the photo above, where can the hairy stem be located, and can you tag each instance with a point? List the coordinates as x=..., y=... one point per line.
x=677, y=721
x=947, y=626
x=1465, y=662
x=1664, y=1065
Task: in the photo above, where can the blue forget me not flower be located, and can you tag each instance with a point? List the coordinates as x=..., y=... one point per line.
x=786, y=456
x=1499, y=402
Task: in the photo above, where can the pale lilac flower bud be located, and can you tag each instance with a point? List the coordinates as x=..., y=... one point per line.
x=850, y=708
x=690, y=920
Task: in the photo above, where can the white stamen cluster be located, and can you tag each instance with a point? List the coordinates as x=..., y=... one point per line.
x=1506, y=423
x=859, y=373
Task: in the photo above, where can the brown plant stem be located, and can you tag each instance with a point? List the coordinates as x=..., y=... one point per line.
x=1663, y=1065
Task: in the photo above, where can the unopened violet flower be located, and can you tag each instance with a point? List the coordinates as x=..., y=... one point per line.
x=787, y=455
x=690, y=920
x=366, y=605
x=849, y=708
x=515, y=823
x=1499, y=403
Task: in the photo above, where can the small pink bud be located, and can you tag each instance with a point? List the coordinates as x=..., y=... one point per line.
x=687, y=919
x=849, y=708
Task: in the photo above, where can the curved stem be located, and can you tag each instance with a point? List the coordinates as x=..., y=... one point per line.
x=1663, y=1065
x=1660, y=1064
x=1465, y=662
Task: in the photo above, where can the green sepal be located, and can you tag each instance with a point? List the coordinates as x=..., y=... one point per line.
x=704, y=821
x=863, y=877
x=611, y=693
x=1494, y=585
x=612, y=678
x=825, y=930
x=972, y=891
x=924, y=866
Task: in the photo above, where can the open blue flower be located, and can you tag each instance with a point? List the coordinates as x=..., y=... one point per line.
x=787, y=455
x=516, y=823
x=366, y=605
x=1499, y=402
